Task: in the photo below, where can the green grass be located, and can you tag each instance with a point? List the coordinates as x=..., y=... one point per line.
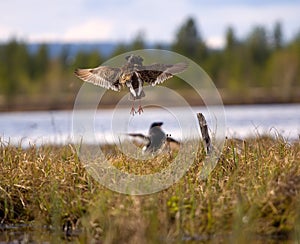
x=253, y=194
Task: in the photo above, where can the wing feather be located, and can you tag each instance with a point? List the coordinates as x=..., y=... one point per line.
x=157, y=73
x=103, y=76
x=172, y=140
x=140, y=137
x=172, y=144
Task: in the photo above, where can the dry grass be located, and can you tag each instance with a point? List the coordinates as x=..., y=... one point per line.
x=253, y=194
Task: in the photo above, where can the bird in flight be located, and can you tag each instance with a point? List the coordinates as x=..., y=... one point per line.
x=156, y=139
x=132, y=74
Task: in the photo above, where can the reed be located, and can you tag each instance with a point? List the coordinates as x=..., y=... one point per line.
x=253, y=194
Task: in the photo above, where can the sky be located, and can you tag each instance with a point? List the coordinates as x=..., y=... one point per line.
x=156, y=20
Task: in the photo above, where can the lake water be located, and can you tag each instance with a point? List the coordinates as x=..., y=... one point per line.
x=57, y=126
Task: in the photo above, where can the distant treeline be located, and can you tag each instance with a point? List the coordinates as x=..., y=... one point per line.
x=262, y=59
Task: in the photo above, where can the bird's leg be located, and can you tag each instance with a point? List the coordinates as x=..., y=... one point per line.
x=132, y=111
x=140, y=109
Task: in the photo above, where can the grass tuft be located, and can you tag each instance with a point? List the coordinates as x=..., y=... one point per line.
x=252, y=194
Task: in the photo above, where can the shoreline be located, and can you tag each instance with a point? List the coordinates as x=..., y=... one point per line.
x=254, y=96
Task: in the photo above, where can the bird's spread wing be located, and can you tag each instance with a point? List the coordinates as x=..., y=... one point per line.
x=103, y=76
x=139, y=135
x=172, y=140
x=139, y=139
x=172, y=144
x=157, y=73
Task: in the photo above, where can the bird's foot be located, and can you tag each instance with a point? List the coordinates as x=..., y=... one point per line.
x=140, y=110
x=132, y=111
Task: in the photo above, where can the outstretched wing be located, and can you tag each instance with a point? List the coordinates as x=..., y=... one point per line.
x=172, y=140
x=103, y=76
x=157, y=73
x=140, y=137
x=172, y=144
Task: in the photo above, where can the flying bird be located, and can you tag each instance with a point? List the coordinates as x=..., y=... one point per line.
x=156, y=139
x=132, y=74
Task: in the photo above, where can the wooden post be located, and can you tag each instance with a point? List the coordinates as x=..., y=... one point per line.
x=204, y=132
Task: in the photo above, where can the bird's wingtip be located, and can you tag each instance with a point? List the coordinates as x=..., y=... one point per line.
x=178, y=68
x=81, y=72
x=77, y=72
x=183, y=65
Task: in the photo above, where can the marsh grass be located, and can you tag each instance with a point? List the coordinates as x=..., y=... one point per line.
x=253, y=194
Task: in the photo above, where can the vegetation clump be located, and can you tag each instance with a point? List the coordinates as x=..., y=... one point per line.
x=252, y=194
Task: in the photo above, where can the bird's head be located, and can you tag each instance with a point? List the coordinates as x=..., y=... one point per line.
x=156, y=124
x=135, y=60
x=125, y=77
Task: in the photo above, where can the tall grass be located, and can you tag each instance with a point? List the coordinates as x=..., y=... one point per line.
x=253, y=194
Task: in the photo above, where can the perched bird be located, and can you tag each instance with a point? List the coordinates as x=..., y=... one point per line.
x=156, y=139
x=132, y=74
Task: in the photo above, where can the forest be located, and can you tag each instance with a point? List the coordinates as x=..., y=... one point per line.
x=262, y=67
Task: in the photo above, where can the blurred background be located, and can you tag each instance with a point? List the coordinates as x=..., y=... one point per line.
x=250, y=49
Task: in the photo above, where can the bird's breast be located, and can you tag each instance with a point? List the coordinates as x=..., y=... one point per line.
x=125, y=77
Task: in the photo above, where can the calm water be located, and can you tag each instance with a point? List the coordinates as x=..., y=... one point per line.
x=57, y=126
